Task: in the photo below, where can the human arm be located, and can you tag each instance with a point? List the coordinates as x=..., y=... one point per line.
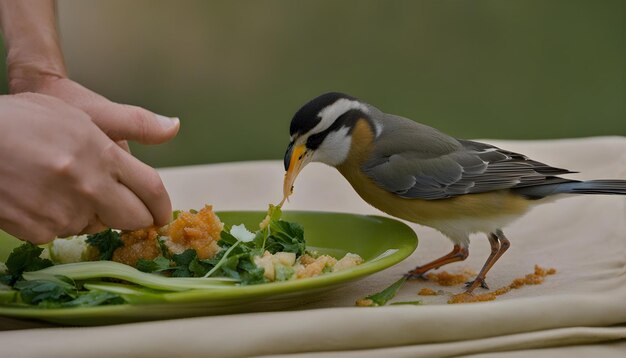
x=35, y=64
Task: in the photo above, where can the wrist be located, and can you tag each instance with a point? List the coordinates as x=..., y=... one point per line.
x=33, y=51
x=30, y=74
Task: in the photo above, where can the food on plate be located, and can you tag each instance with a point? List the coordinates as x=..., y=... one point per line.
x=197, y=230
x=194, y=251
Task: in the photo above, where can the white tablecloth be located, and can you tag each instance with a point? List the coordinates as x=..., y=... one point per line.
x=580, y=310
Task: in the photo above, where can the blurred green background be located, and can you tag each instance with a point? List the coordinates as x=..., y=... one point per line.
x=235, y=72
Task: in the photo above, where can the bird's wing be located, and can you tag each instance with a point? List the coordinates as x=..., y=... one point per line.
x=416, y=161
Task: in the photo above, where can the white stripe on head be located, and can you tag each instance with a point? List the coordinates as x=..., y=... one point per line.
x=330, y=113
x=378, y=128
x=335, y=147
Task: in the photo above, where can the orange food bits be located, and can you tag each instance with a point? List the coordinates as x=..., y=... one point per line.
x=535, y=278
x=199, y=231
x=445, y=278
x=470, y=298
x=138, y=244
x=427, y=292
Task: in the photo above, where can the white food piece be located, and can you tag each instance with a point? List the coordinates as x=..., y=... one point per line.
x=241, y=233
x=285, y=258
x=68, y=250
x=267, y=262
x=350, y=260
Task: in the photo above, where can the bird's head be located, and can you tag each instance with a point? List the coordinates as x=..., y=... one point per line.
x=321, y=131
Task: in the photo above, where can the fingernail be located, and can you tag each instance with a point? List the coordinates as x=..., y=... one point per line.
x=167, y=122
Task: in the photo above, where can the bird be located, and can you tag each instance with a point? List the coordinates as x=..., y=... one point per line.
x=419, y=174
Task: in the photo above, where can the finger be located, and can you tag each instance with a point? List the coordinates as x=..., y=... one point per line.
x=121, y=209
x=74, y=228
x=94, y=226
x=126, y=122
x=146, y=184
x=124, y=145
x=29, y=230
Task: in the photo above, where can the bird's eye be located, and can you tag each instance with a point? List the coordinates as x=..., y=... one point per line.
x=314, y=141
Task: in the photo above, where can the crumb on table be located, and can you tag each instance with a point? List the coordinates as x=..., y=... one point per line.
x=535, y=278
x=445, y=278
x=427, y=292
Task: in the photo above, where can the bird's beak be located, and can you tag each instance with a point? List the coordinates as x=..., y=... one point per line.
x=296, y=157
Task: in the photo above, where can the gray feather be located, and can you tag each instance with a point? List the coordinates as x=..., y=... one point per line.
x=617, y=187
x=417, y=161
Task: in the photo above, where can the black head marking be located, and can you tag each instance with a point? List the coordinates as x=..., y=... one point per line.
x=347, y=119
x=306, y=118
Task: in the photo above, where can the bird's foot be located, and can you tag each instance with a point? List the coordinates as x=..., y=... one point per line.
x=413, y=275
x=471, y=285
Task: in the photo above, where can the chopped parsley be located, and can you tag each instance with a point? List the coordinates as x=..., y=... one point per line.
x=106, y=242
x=23, y=258
x=381, y=298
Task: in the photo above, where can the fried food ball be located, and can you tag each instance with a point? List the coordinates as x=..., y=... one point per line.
x=194, y=230
x=199, y=231
x=138, y=244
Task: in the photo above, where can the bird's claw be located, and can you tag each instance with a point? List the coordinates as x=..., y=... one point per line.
x=415, y=276
x=483, y=284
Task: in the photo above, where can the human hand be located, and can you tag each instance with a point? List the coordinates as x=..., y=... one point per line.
x=61, y=175
x=35, y=64
x=120, y=122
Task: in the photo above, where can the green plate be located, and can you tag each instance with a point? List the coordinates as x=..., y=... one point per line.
x=382, y=242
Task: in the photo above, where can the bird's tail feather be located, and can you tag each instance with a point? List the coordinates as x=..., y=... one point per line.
x=602, y=186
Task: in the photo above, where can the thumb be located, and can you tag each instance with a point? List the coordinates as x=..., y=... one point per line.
x=126, y=122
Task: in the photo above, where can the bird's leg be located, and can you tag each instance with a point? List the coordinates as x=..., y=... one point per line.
x=458, y=253
x=499, y=245
x=495, y=248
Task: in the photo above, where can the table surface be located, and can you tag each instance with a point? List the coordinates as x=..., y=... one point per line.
x=583, y=237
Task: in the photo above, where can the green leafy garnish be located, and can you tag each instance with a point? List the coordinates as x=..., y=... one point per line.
x=415, y=303
x=45, y=291
x=57, y=293
x=95, y=298
x=106, y=242
x=285, y=236
x=110, y=269
x=382, y=297
x=282, y=272
x=183, y=262
x=236, y=259
x=23, y=258
x=159, y=263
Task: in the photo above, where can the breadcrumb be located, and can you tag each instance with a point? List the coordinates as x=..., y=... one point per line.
x=314, y=268
x=535, y=278
x=427, y=292
x=364, y=302
x=445, y=278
